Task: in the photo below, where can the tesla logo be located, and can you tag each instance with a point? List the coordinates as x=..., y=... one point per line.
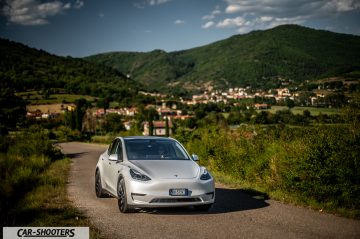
x=176, y=175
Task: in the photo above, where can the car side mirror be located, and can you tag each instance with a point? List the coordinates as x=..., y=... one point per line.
x=115, y=157
x=195, y=157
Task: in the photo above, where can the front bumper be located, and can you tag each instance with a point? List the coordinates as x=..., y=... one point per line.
x=156, y=193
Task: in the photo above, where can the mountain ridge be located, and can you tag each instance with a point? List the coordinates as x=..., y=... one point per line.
x=259, y=59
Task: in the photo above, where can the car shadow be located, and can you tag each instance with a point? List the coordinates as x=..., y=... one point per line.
x=227, y=200
x=75, y=155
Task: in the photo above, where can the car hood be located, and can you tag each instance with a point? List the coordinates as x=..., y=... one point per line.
x=168, y=169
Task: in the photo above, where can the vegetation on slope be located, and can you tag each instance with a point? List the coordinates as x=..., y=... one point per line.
x=23, y=68
x=259, y=59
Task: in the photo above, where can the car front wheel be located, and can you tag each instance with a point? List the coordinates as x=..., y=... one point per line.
x=122, y=200
x=98, y=188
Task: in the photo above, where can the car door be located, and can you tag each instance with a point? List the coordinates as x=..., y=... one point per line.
x=107, y=164
x=112, y=167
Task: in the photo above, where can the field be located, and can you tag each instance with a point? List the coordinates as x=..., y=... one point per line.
x=299, y=110
x=36, y=97
x=51, y=108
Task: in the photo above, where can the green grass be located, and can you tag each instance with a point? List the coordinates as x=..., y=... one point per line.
x=259, y=191
x=102, y=139
x=47, y=203
x=299, y=110
x=36, y=98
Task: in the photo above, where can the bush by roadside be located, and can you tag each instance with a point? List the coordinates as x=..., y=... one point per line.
x=316, y=166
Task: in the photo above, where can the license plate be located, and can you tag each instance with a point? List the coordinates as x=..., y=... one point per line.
x=178, y=192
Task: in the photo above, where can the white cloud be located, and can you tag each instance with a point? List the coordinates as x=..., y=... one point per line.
x=266, y=18
x=179, y=22
x=34, y=12
x=67, y=6
x=247, y=15
x=157, y=2
x=232, y=8
x=208, y=24
x=145, y=3
x=212, y=15
x=294, y=7
x=50, y=8
x=232, y=22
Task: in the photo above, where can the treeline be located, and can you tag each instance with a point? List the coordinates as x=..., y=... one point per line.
x=226, y=115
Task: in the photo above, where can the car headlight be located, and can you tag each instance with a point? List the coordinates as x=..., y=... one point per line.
x=138, y=176
x=205, y=175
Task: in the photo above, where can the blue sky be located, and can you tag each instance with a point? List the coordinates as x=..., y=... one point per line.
x=85, y=27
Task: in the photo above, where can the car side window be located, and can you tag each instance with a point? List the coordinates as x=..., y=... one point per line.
x=119, y=150
x=179, y=151
x=113, y=146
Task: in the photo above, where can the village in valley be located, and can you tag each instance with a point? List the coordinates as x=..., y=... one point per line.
x=173, y=109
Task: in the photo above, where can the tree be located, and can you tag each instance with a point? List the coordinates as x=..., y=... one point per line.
x=81, y=106
x=151, y=128
x=74, y=119
x=289, y=103
x=12, y=110
x=113, y=123
x=103, y=103
x=167, y=131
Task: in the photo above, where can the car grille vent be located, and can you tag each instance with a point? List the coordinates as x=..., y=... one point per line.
x=174, y=200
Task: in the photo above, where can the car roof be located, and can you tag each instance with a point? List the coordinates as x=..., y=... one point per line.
x=146, y=137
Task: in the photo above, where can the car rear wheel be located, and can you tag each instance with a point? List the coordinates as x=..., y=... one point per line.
x=122, y=199
x=98, y=188
x=203, y=208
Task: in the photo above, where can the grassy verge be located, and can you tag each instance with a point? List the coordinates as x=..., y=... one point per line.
x=317, y=167
x=47, y=204
x=263, y=192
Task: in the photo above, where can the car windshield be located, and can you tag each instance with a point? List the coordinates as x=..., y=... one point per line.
x=154, y=149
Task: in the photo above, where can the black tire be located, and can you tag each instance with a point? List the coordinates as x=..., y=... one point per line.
x=203, y=208
x=98, y=188
x=122, y=200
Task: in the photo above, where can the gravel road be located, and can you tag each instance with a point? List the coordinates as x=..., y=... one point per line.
x=234, y=215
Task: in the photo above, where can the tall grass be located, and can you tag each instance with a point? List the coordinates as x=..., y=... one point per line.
x=33, y=183
x=22, y=158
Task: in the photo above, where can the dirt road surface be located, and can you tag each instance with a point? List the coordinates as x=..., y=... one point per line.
x=234, y=215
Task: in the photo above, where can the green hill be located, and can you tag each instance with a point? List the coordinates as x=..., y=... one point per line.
x=259, y=59
x=23, y=68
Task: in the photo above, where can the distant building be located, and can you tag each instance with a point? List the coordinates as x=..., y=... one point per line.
x=283, y=92
x=261, y=106
x=159, y=128
x=37, y=114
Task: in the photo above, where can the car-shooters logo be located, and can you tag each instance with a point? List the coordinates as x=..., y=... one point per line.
x=46, y=232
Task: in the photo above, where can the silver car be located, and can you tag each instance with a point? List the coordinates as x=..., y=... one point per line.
x=153, y=172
